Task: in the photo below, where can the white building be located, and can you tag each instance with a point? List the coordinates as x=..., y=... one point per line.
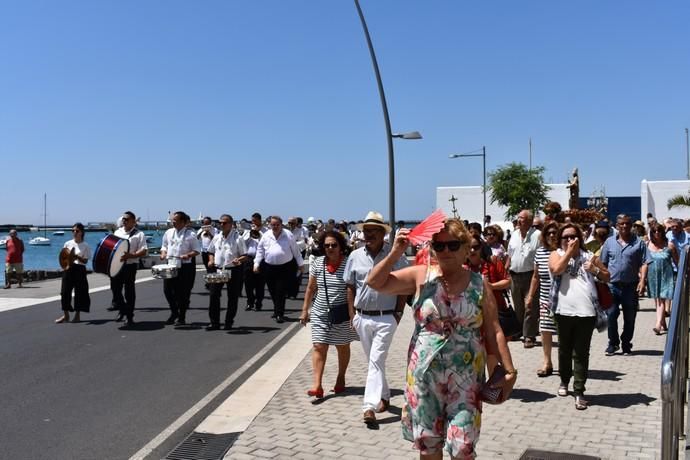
x=655, y=194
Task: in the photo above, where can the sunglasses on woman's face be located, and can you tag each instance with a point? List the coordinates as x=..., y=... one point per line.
x=489, y=234
x=452, y=246
x=552, y=233
x=330, y=246
x=569, y=237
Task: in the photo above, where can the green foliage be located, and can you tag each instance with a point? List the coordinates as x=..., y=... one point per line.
x=678, y=200
x=517, y=188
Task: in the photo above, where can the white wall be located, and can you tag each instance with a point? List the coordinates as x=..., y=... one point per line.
x=470, y=201
x=655, y=194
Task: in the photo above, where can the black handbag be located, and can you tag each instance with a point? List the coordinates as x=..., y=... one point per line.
x=512, y=329
x=338, y=313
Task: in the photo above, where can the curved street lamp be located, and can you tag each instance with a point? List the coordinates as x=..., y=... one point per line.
x=389, y=134
x=472, y=154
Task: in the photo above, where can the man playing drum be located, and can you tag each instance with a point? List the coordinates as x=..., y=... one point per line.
x=128, y=274
x=226, y=252
x=180, y=246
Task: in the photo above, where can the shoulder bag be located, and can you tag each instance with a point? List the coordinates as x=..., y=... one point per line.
x=338, y=313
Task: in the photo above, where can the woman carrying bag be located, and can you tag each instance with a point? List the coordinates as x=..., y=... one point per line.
x=329, y=314
x=575, y=304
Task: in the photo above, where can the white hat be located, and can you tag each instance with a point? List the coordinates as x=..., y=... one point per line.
x=374, y=218
x=310, y=220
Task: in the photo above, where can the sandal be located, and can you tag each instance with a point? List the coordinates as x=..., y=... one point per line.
x=529, y=343
x=545, y=371
x=656, y=330
x=563, y=390
x=580, y=402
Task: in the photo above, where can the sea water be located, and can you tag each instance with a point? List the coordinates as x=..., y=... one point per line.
x=46, y=257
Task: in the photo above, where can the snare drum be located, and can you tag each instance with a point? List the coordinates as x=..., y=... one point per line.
x=164, y=271
x=218, y=277
x=106, y=257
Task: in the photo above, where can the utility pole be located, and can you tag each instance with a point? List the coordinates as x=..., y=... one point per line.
x=530, y=153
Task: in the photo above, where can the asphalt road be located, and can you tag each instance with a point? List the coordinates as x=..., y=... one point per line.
x=93, y=391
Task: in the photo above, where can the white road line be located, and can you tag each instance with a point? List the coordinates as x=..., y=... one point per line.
x=13, y=303
x=184, y=418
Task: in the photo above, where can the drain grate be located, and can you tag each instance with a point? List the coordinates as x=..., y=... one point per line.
x=203, y=446
x=533, y=454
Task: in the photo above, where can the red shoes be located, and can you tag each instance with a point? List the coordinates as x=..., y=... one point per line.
x=318, y=393
x=338, y=389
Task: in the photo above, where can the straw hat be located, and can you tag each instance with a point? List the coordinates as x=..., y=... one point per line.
x=374, y=219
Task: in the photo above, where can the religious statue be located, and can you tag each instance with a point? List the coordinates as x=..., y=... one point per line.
x=574, y=186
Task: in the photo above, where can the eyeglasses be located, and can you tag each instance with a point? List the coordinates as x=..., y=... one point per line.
x=658, y=231
x=489, y=234
x=552, y=233
x=223, y=222
x=624, y=224
x=569, y=237
x=452, y=246
x=330, y=245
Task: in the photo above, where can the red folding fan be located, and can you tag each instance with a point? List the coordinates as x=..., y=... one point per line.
x=427, y=228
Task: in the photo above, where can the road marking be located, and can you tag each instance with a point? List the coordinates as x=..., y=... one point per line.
x=14, y=303
x=184, y=418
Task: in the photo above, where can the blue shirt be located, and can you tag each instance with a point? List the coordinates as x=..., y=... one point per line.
x=357, y=269
x=679, y=241
x=624, y=261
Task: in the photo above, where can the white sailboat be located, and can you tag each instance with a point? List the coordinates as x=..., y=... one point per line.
x=42, y=240
x=3, y=243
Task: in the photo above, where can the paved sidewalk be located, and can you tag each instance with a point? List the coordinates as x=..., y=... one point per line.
x=623, y=420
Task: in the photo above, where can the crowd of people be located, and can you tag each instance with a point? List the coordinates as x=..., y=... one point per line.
x=472, y=289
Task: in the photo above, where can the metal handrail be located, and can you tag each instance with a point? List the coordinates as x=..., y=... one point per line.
x=674, y=366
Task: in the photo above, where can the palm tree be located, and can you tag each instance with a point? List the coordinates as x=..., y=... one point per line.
x=678, y=200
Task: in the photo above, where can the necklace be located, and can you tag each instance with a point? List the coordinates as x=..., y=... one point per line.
x=446, y=288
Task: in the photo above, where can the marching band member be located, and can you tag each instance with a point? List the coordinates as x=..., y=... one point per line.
x=226, y=251
x=74, y=278
x=128, y=274
x=180, y=246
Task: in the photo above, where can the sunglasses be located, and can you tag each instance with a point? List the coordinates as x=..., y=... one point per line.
x=489, y=234
x=330, y=246
x=452, y=246
x=553, y=233
x=569, y=237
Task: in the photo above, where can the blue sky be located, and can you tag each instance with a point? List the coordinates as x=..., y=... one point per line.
x=238, y=106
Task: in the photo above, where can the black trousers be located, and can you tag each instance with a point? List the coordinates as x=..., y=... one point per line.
x=178, y=290
x=254, y=285
x=125, y=279
x=204, y=260
x=278, y=280
x=75, y=279
x=574, y=341
x=234, y=287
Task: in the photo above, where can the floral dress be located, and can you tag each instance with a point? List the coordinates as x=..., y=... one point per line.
x=445, y=369
x=660, y=273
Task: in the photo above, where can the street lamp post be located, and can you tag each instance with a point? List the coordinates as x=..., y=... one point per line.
x=389, y=133
x=472, y=154
x=687, y=150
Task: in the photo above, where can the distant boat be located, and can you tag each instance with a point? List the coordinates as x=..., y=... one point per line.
x=42, y=240
x=3, y=243
x=59, y=233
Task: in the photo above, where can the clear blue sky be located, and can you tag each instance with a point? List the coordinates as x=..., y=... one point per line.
x=238, y=106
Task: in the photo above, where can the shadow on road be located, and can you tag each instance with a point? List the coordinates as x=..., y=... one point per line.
x=528, y=396
x=144, y=326
x=605, y=375
x=620, y=401
x=244, y=330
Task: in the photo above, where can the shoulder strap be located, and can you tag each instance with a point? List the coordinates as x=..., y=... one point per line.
x=325, y=285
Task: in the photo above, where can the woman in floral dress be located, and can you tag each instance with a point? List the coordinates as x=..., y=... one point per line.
x=456, y=325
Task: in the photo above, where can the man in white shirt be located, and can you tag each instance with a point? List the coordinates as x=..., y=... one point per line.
x=377, y=314
x=254, y=282
x=278, y=258
x=205, y=235
x=522, y=247
x=301, y=235
x=128, y=274
x=180, y=247
x=226, y=252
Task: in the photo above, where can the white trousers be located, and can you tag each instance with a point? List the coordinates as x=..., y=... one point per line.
x=375, y=334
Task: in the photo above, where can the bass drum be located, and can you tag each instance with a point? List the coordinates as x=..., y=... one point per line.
x=106, y=257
